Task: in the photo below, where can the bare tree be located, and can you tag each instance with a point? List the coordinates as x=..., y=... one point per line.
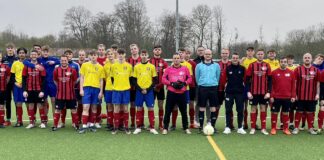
x=77, y=21
x=104, y=29
x=219, y=26
x=134, y=22
x=261, y=37
x=200, y=18
x=276, y=44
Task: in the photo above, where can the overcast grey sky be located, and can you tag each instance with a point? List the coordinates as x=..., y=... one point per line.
x=41, y=17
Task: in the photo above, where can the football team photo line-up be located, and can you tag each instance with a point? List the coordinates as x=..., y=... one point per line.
x=255, y=82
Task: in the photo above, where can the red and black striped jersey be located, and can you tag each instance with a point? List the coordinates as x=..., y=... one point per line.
x=259, y=72
x=306, y=82
x=65, y=79
x=4, y=75
x=222, y=80
x=160, y=65
x=133, y=62
x=33, y=78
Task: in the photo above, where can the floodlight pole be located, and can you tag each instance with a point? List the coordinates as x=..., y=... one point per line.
x=177, y=25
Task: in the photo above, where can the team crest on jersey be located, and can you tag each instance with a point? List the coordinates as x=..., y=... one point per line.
x=311, y=72
x=68, y=73
x=279, y=75
x=2, y=69
x=125, y=68
x=148, y=68
x=181, y=73
x=287, y=74
x=264, y=68
x=161, y=64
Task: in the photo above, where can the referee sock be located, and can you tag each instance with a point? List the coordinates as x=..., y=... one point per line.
x=201, y=118
x=263, y=117
x=63, y=115
x=216, y=113
x=2, y=113
x=213, y=118
x=19, y=113
x=274, y=117
x=174, y=117
x=56, y=119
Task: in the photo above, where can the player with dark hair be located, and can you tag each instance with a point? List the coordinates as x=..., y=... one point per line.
x=4, y=79
x=16, y=79
x=9, y=59
x=69, y=55
x=121, y=73
x=65, y=78
x=48, y=62
x=283, y=93
x=34, y=85
x=159, y=93
x=234, y=77
x=145, y=79
x=176, y=77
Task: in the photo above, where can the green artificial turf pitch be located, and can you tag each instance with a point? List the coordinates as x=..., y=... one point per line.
x=43, y=144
